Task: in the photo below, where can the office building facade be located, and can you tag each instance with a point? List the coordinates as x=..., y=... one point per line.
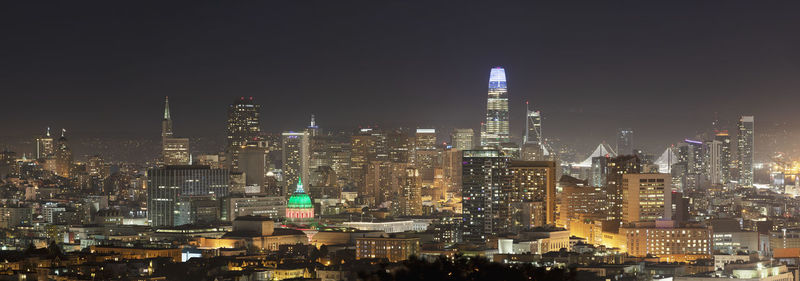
x=169, y=188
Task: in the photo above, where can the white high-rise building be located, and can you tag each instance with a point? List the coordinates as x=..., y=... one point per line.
x=746, y=146
x=295, y=147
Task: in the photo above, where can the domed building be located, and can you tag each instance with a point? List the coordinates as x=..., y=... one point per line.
x=300, y=208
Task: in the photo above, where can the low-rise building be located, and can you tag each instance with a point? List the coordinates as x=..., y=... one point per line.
x=390, y=248
x=668, y=240
x=385, y=226
x=137, y=253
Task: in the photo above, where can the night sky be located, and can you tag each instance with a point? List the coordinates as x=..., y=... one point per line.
x=103, y=68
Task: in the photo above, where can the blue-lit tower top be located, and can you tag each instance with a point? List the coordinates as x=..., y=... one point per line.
x=495, y=131
x=497, y=78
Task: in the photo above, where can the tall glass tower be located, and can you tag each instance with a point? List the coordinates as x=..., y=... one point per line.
x=746, y=148
x=495, y=130
x=533, y=127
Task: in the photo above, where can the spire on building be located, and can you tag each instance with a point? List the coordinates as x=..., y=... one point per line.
x=48, y=131
x=63, y=132
x=166, y=108
x=299, y=186
x=166, y=123
x=313, y=123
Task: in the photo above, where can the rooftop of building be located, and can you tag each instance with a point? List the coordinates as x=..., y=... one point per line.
x=186, y=167
x=275, y=232
x=533, y=164
x=253, y=218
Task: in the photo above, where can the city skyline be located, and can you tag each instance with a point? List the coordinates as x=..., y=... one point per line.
x=347, y=141
x=549, y=67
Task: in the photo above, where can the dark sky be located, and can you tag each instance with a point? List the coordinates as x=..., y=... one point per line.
x=591, y=67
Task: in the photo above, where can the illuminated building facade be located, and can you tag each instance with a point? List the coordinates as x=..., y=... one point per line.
x=495, y=131
x=724, y=156
x=462, y=139
x=616, y=168
x=175, y=151
x=580, y=201
x=646, y=197
x=625, y=141
x=410, y=193
x=669, y=241
x=253, y=205
x=400, y=145
x=485, y=184
x=63, y=156
x=295, y=149
x=170, y=187
x=299, y=207
x=363, y=150
x=243, y=125
x=745, y=142
x=425, y=154
x=532, y=182
x=244, y=122
x=393, y=249
x=45, y=146
x=533, y=147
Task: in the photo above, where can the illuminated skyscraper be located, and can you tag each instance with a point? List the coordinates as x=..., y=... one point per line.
x=485, y=184
x=495, y=131
x=400, y=145
x=724, y=156
x=533, y=127
x=714, y=166
x=295, y=150
x=44, y=146
x=532, y=195
x=410, y=193
x=244, y=125
x=425, y=156
x=533, y=144
x=166, y=123
x=625, y=141
x=646, y=197
x=313, y=129
x=173, y=190
x=617, y=167
x=745, y=141
x=244, y=122
x=461, y=139
x=63, y=155
x=175, y=151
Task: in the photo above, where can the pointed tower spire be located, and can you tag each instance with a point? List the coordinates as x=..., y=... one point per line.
x=48, y=131
x=166, y=123
x=63, y=132
x=313, y=123
x=299, y=186
x=166, y=108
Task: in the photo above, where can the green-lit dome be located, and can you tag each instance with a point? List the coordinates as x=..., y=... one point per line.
x=300, y=200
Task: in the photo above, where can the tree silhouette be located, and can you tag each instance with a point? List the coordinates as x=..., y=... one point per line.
x=464, y=269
